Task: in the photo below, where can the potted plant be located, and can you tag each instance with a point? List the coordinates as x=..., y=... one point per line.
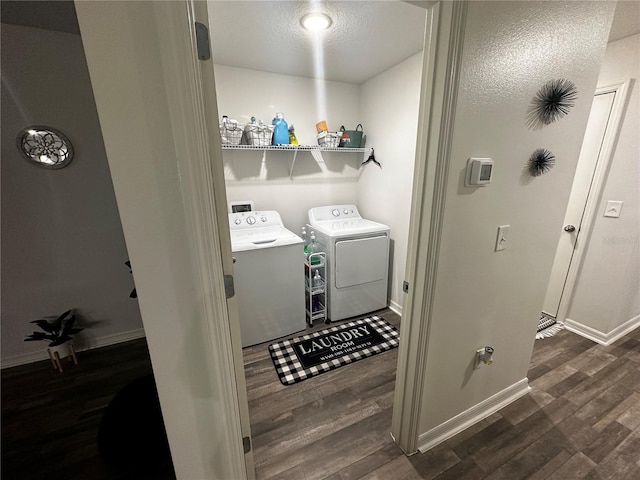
x=58, y=332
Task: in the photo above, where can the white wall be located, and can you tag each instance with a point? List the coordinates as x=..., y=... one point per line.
x=62, y=241
x=607, y=290
x=485, y=298
x=245, y=93
x=389, y=104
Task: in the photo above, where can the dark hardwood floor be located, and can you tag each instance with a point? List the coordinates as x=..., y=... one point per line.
x=50, y=420
x=580, y=421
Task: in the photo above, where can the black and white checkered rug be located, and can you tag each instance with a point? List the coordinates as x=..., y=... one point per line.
x=299, y=358
x=547, y=326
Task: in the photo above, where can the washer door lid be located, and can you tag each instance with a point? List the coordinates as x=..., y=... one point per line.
x=361, y=260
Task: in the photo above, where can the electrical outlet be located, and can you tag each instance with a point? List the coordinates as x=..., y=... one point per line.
x=502, y=237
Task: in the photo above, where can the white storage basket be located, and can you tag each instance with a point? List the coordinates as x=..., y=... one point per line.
x=258, y=135
x=231, y=132
x=329, y=139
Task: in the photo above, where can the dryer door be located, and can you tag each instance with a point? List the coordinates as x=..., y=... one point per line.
x=361, y=260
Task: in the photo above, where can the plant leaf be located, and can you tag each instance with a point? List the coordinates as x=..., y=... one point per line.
x=40, y=336
x=44, y=325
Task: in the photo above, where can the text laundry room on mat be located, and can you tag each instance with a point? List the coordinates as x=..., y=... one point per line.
x=305, y=356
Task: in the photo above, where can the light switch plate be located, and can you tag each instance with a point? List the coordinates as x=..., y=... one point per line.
x=502, y=237
x=613, y=208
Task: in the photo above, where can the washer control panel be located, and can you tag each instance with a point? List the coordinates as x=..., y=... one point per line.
x=243, y=220
x=333, y=212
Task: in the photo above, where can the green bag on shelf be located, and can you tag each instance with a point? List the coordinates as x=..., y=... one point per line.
x=352, y=138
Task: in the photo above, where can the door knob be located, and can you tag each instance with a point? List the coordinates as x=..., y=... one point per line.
x=569, y=228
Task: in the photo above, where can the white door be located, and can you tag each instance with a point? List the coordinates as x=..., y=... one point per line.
x=582, y=187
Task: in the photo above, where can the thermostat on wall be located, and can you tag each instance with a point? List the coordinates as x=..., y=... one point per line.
x=479, y=172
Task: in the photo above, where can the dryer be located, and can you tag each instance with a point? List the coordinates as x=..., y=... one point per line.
x=357, y=260
x=268, y=270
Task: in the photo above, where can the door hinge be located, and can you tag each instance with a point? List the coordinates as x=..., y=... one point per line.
x=229, y=290
x=202, y=41
x=246, y=443
x=405, y=287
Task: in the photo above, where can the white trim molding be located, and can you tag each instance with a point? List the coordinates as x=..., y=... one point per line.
x=395, y=307
x=441, y=70
x=31, y=357
x=473, y=415
x=601, y=337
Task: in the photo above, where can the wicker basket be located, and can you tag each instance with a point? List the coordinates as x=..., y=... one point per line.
x=231, y=132
x=329, y=139
x=258, y=135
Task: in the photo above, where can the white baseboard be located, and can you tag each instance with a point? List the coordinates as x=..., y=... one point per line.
x=601, y=337
x=105, y=341
x=473, y=415
x=395, y=307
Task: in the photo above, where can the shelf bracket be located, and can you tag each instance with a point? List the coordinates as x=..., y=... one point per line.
x=293, y=162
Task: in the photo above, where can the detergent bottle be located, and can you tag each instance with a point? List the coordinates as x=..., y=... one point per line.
x=280, y=130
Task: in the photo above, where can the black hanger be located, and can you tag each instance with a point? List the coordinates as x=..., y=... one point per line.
x=371, y=158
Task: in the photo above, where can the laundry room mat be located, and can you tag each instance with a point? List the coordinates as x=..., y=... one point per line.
x=299, y=358
x=547, y=326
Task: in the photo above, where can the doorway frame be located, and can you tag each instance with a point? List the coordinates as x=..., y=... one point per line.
x=442, y=61
x=181, y=78
x=622, y=92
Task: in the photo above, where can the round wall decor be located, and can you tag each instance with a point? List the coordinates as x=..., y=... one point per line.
x=45, y=147
x=552, y=102
x=540, y=162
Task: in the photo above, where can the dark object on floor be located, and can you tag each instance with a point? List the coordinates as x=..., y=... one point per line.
x=299, y=358
x=132, y=437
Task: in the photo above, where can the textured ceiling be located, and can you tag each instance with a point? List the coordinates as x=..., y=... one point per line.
x=365, y=39
x=626, y=20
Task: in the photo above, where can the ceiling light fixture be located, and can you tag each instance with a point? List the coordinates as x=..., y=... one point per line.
x=316, y=22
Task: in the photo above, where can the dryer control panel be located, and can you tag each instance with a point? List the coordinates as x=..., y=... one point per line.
x=333, y=212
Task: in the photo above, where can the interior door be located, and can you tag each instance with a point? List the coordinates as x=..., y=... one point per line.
x=201, y=16
x=580, y=191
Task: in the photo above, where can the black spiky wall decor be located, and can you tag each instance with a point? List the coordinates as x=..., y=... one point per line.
x=540, y=162
x=552, y=102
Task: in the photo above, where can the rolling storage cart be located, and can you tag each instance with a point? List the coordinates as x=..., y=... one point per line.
x=315, y=287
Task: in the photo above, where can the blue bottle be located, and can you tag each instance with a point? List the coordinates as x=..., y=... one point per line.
x=280, y=130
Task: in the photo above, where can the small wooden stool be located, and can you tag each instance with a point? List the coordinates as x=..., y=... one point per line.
x=55, y=357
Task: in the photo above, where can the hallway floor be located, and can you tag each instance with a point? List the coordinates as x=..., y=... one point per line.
x=580, y=421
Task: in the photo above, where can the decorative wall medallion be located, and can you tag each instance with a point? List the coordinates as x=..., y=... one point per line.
x=45, y=147
x=540, y=162
x=552, y=102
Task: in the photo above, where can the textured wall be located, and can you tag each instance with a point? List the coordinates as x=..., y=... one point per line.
x=390, y=104
x=62, y=242
x=482, y=297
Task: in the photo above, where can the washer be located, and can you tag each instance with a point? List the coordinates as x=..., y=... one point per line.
x=357, y=259
x=268, y=270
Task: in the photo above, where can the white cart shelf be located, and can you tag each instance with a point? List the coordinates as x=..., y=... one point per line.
x=315, y=294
